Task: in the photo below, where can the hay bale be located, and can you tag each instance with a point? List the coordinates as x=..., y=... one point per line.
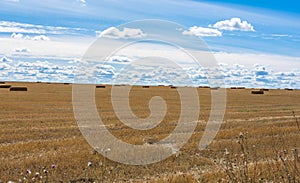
x=288, y=89
x=67, y=83
x=173, y=87
x=18, y=88
x=264, y=89
x=203, y=87
x=100, y=86
x=2, y=82
x=238, y=88
x=5, y=86
x=146, y=86
x=260, y=92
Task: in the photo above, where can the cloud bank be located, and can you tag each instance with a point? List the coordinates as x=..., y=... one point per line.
x=119, y=68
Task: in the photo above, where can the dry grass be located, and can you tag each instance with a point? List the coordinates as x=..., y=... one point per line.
x=38, y=130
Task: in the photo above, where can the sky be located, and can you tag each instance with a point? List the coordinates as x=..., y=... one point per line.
x=255, y=43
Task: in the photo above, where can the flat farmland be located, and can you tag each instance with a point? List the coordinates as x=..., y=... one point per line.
x=40, y=140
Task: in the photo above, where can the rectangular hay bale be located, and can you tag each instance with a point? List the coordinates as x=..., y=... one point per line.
x=5, y=86
x=257, y=92
x=264, y=89
x=204, y=87
x=18, y=88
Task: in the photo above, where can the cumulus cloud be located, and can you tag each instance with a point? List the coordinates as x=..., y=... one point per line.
x=37, y=71
x=202, y=32
x=257, y=76
x=260, y=70
x=5, y=59
x=233, y=24
x=119, y=59
x=115, y=33
x=16, y=35
x=34, y=38
x=40, y=38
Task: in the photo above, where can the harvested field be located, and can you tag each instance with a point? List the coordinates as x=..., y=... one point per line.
x=39, y=134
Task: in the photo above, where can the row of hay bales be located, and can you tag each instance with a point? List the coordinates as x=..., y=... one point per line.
x=13, y=88
x=238, y=88
x=145, y=86
x=24, y=88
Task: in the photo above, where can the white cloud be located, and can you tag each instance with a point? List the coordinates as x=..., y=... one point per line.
x=202, y=32
x=5, y=59
x=98, y=33
x=152, y=72
x=13, y=1
x=115, y=33
x=257, y=75
x=82, y=2
x=21, y=50
x=280, y=35
x=233, y=24
x=16, y=36
x=37, y=71
x=119, y=59
x=34, y=38
x=276, y=62
x=11, y=27
x=46, y=49
x=40, y=38
x=260, y=70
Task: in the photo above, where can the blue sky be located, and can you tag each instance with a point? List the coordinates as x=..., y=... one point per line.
x=255, y=34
